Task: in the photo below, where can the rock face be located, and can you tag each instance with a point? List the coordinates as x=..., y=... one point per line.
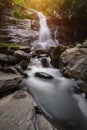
x=15, y=30
x=74, y=63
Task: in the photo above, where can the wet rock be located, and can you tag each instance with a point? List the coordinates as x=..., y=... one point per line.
x=22, y=55
x=41, y=51
x=17, y=114
x=45, y=62
x=7, y=59
x=9, y=81
x=55, y=55
x=51, y=49
x=26, y=49
x=20, y=114
x=43, y=75
x=24, y=64
x=74, y=63
x=10, y=70
x=12, y=60
x=19, y=69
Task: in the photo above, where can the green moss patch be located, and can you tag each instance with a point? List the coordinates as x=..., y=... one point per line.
x=9, y=45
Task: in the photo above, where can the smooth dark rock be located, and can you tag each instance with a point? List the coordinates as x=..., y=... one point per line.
x=45, y=62
x=55, y=55
x=43, y=75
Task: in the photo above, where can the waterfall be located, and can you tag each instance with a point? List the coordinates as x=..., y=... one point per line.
x=44, y=41
x=44, y=34
x=56, y=96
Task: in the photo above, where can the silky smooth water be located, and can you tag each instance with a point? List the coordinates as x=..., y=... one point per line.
x=44, y=41
x=55, y=94
x=44, y=34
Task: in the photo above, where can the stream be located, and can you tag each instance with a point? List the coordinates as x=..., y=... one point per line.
x=55, y=94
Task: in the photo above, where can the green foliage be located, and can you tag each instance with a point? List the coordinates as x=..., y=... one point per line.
x=60, y=8
x=5, y=3
x=20, y=2
x=6, y=45
x=63, y=9
x=69, y=8
x=1, y=5
x=18, y=13
x=78, y=45
x=78, y=8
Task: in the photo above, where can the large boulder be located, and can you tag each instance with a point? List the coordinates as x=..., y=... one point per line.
x=55, y=55
x=74, y=63
x=9, y=81
x=21, y=55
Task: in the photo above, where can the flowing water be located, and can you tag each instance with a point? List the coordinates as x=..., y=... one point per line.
x=45, y=41
x=55, y=94
x=44, y=30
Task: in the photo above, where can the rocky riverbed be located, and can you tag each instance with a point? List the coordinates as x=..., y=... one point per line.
x=18, y=109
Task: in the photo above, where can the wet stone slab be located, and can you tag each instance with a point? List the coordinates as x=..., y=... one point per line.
x=17, y=112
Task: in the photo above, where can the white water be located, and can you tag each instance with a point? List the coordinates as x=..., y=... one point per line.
x=44, y=34
x=45, y=41
x=57, y=99
x=55, y=96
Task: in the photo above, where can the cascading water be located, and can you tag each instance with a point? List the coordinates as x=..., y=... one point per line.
x=44, y=41
x=53, y=93
x=44, y=34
